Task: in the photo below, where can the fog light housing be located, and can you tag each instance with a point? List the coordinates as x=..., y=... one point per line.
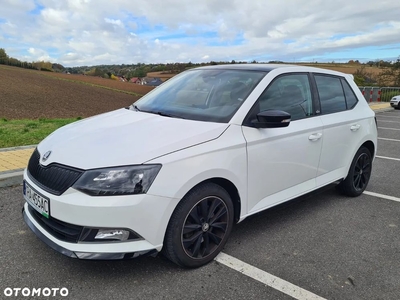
x=112, y=234
x=102, y=235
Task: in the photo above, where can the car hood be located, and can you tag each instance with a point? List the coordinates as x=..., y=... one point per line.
x=124, y=137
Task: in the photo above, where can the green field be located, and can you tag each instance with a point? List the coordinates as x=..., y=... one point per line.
x=28, y=132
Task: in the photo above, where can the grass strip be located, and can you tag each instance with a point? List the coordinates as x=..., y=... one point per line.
x=15, y=133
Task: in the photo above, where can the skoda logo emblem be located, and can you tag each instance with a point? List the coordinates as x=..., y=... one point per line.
x=46, y=156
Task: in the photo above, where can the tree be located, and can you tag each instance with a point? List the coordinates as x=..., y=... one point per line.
x=3, y=57
x=138, y=72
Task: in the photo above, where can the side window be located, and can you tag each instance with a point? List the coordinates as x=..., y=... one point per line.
x=331, y=94
x=290, y=93
x=351, y=99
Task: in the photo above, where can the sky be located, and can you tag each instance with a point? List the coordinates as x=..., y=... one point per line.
x=94, y=32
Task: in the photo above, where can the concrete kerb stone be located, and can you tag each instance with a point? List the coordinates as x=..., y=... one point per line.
x=17, y=148
x=11, y=178
x=383, y=109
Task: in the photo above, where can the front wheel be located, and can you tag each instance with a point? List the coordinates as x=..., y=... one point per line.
x=359, y=174
x=199, y=226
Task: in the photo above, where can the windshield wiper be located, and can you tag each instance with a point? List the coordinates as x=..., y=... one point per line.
x=164, y=114
x=135, y=107
x=160, y=113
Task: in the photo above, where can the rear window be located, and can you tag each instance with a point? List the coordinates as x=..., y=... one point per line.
x=331, y=94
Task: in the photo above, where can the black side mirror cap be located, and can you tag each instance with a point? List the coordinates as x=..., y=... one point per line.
x=272, y=119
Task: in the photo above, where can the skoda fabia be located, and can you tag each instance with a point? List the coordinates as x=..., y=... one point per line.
x=206, y=149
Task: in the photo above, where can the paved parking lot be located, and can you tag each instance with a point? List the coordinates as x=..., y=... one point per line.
x=321, y=245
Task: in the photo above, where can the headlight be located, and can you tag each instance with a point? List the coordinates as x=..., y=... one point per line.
x=117, y=180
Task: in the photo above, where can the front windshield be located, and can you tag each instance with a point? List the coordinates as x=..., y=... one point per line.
x=212, y=95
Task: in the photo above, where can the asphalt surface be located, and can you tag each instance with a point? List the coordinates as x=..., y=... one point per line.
x=333, y=246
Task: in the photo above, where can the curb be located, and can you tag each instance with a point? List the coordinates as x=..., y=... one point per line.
x=383, y=109
x=11, y=178
x=17, y=148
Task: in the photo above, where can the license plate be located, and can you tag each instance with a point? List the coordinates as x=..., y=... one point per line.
x=36, y=200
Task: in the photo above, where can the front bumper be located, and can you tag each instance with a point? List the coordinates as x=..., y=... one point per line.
x=395, y=104
x=81, y=253
x=146, y=215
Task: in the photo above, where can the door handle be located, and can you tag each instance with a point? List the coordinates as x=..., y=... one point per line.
x=315, y=137
x=355, y=127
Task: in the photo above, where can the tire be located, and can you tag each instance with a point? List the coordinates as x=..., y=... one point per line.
x=199, y=227
x=359, y=174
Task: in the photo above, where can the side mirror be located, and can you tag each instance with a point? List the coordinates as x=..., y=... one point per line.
x=272, y=119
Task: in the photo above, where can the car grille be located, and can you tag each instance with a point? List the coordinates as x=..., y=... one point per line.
x=60, y=230
x=54, y=178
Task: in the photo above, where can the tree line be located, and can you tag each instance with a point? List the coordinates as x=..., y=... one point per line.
x=39, y=65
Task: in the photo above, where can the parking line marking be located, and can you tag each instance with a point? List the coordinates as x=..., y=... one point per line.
x=385, y=157
x=266, y=278
x=387, y=121
x=388, y=128
x=382, y=196
x=385, y=139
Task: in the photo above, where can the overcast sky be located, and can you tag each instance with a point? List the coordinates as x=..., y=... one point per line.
x=91, y=32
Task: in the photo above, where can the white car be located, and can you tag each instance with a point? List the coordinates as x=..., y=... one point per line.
x=395, y=102
x=203, y=151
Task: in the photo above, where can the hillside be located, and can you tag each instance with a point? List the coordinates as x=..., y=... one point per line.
x=34, y=94
x=346, y=68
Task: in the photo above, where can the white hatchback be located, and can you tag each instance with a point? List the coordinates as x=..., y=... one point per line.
x=206, y=149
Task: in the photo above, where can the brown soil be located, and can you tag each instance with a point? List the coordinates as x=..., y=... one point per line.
x=114, y=84
x=346, y=68
x=28, y=94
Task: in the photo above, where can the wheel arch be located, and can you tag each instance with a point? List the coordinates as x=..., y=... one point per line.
x=230, y=188
x=370, y=146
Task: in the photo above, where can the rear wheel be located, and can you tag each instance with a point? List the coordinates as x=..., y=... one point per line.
x=359, y=174
x=199, y=226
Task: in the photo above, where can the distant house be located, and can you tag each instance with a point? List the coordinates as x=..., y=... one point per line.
x=136, y=80
x=122, y=78
x=154, y=81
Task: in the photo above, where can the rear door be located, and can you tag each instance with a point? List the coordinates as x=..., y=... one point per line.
x=343, y=126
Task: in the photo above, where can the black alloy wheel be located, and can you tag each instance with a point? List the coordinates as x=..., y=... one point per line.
x=199, y=226
x=362, y=172
x=205, y=227
x=359, y=174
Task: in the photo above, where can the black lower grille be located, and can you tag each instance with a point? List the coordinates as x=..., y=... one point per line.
x=59, y=229
x=54, y=178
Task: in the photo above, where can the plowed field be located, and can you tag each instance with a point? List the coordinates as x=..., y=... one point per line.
x=28, y=94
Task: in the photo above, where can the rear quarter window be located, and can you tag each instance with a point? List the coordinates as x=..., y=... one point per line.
x=351, y=98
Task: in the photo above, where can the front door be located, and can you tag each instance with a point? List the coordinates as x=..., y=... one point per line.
x=283, y=162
